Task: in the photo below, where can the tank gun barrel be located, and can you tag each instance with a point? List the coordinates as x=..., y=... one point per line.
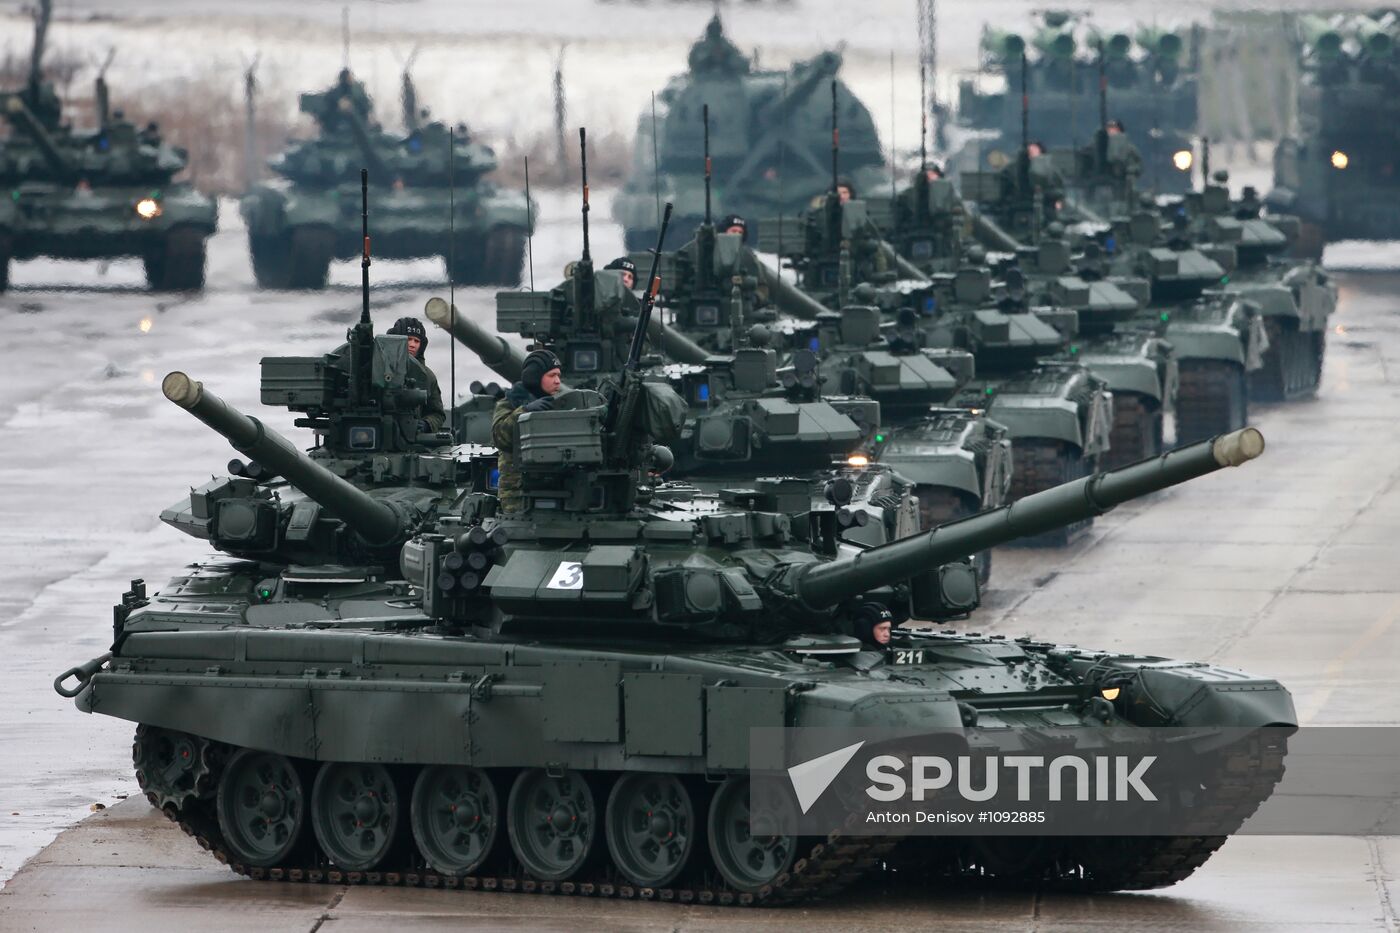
x=360, y=131
x=674, y=344
x=824, y=585
x=503, y=359
x=19, y=114
x=377, y=522
x=990, y=233
x=787, y=296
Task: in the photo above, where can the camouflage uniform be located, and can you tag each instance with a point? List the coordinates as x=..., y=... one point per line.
x=505, y=434
x=432, y=411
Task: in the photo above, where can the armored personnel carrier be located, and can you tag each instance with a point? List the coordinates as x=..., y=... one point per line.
x=564, y=705
x=1338, y=173
x=96, y=194
x=769, y=146
x=299, y=223
x=1152, y=76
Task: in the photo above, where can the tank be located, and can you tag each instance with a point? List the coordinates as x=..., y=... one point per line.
x=1338, y=172
x=1058, y=414
x=573, y=717
x=432, y=198
x=1295, y=297
x=771, y=136
x=1152, y=75
x=100, y=193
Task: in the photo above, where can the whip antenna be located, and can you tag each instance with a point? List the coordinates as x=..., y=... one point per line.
x=706, y=116
x=451, y=257
x=529, y=225
x=655, y=160
x=923, y=119
x=364, y=258
x=835, y=140
x=583, y=166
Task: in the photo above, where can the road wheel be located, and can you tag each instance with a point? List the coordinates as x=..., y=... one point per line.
x=553, y=824
x=355, y=811
x=938, y=505
x=1038, y=465
x=272, y=260
x=455, y=815
x=1211, y=399
x=310, y=258
x=652, y=830
x=748, y=858
x=503, y=257
x=261, y=805
x=1137, y=430
x=176, y=264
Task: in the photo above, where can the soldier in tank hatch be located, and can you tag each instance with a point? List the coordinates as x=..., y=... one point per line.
x=628, y=269
x=432, y=417
x=874, y=626
x=540, y=380
x=733, y=223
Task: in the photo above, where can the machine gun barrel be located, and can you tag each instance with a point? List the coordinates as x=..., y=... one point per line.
x=377, y=522
x=23, y=118
x=505, y=360
x=823, y=585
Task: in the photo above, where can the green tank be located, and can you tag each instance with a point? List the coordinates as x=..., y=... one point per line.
x=573, y=715
x=96, y=194
x=431, y=198
x=770, y=141
x=1338, y=172
x=1058, y=415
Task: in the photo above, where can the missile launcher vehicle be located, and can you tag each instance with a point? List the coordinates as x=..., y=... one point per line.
x=299, y=223
x=1338, y=173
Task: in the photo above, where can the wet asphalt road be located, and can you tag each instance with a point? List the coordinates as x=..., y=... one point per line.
x=1285, y=568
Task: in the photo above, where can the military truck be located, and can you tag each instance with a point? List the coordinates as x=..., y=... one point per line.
x=102, y=193
x=1338, y=173
x=431, y=194
x=770, y=142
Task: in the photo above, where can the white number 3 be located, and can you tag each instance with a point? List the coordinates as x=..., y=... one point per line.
x=567, y=576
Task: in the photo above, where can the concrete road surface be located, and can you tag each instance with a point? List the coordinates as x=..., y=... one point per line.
x=1287, y=568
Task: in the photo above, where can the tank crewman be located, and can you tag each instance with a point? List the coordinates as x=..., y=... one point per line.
x=432, y=417
x=845, y=190
x=540, y=381
x=628, y=269
x=874, y=626
x=733, y=223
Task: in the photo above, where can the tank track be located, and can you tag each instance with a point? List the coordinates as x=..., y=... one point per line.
x=1040, y=465
x=828, y=867
x=1292, y=365
x=1211, y=399
x=1137, y=431
x=1245, y=779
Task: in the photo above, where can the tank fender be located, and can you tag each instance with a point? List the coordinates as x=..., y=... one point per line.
x=1205, y=695
x=1206, y=342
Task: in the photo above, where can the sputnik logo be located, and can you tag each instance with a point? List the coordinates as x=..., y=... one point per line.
x=811, y=778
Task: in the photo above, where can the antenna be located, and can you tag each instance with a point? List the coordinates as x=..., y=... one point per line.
x=583, y=165
x=529, y=225
x=705, y=115
x=835, y=141
x=923, y=119
x=364, y=258
x=1103, y=110
x=639, y=335
x=893, y=158
x=345, y=37
x=1205, y=162
x=1025, y=127
x=782, y=164
x=655, y=160
x=451, y=246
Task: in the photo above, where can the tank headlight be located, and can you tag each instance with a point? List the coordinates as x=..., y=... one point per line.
x=858, y=460
x=1183, y=160
x=1110, y=693
x=148, y=208
x=1340, y=159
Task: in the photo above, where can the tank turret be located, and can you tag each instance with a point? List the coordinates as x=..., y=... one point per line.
x=380, y=523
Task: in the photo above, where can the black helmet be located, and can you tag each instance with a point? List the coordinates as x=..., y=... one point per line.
x=734, y=220
x=868, y=616
x=537, y=363
x=623, y=264
x=412, y=327
x=847, y=184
